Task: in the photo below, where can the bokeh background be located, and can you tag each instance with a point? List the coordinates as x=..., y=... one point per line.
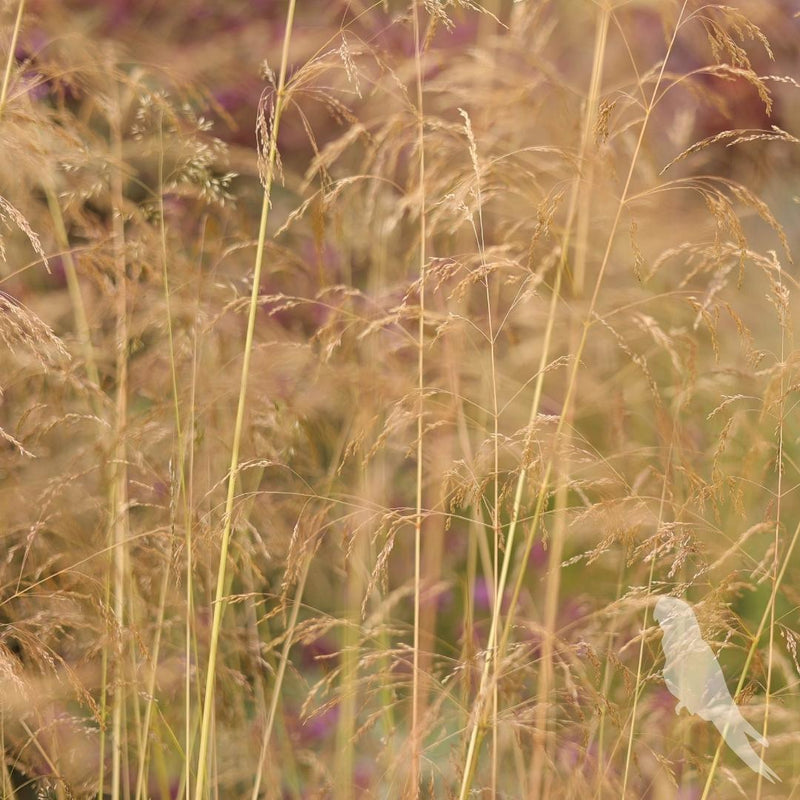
x=441, y=572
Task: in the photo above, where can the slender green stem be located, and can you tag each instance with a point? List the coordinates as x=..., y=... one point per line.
x=179, y=476
x=10, y=58
x=477, y=723
x=769, y=611
x=144, y=738
x=75, y=296
x=120, y=482
x=640, y=662
x=480, y=241
x=751, y=651
x=580, y=210
x=145, y=728
x=287, y=646
x=219, y=604
x=606, y=683
x=779, y=496
x=162, y=230
x=190, y=643
x=416, y=745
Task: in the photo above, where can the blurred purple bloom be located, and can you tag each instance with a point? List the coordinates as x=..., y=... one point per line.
x=482, y=596
x=538, y=557
x=319, y=726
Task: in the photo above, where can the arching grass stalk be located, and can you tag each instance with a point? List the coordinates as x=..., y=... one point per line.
x=478, y=717
x=219, y=606
x=477, y=720
x=491, y=338
x=769, y=611
x=144, y=737
x=75, y=296
x=10, y=59
x=580, y=212
x=640, y=661
x=187, y=455
x=119, y=484
x=781, y=304
x=587, y=324
x=501, y=579
x=287, y=646
x=604, y=689
x=415, y=687
x=751, y=652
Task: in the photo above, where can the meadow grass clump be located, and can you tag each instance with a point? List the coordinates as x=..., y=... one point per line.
x=346, y=452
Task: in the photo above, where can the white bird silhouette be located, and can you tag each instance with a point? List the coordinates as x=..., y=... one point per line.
x=693, y=675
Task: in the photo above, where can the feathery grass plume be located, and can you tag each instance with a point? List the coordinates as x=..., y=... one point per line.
x=521, y=356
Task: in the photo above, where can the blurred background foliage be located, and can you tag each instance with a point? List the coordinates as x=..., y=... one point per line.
x=130, y=196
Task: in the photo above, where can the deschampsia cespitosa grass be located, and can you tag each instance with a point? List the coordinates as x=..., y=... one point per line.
x=367, y=373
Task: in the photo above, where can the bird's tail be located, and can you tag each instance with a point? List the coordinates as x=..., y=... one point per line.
x=738, y=742
x=753, y=733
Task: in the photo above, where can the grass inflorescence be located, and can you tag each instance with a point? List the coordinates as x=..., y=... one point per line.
x=367, y=372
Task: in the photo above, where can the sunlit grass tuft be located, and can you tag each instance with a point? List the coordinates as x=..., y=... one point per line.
x=346, y=451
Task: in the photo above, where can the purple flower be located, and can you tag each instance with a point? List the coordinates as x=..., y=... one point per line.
x=482, y=593
x=319, y=726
